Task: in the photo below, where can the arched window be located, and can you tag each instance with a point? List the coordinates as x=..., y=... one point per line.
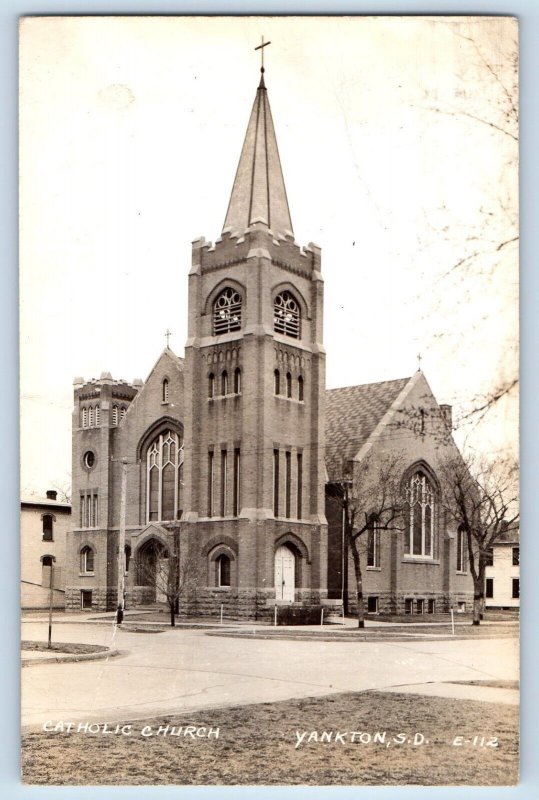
x=87, y=559
x=288, y=384
x=47, y=527
x=211, y=385
x=164, y=462
x=277, y=382
x=237, y=380
x=91, y=417
x=114, y=415
x=84, y=417
x=46, y=570
x=227, y=311
x=97, y=415
x=123, y=412
x=287, y=317
x=300, y=389
x=420, y=496
x=164, y=388
x=223, y=570
x=224, y=382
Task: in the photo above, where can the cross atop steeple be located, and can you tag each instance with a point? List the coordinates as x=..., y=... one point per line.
x=261, y=48
x=419, y=359
x=168, y=334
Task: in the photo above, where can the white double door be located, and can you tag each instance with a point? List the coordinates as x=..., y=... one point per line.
x=285, y=574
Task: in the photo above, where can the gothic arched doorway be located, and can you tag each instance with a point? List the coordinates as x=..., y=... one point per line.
x=285, y=574
x=152, y=569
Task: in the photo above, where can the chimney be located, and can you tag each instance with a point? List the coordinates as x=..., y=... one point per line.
x=447, y=415
x=52, y=494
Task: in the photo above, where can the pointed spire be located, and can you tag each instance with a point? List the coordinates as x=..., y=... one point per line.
x=259, y=194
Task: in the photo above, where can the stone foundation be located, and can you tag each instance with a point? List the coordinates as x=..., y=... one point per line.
x=102, y=599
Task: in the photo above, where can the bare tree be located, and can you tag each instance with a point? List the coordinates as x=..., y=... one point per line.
x=371, y=499
x=63, y=488
x=482, y=99
x=172, y=575
x=482, y=499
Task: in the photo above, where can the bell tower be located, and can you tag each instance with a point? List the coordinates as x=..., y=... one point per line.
x=255, y=385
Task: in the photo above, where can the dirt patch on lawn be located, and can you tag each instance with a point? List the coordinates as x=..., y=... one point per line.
x=398, y=740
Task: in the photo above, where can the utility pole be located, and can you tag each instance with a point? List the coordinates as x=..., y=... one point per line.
x=121, y=546
x=51, y=600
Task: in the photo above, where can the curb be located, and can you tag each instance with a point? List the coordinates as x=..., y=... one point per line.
x=34, y=662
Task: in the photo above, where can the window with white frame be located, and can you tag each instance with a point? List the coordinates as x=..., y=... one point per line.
x=227, y=311
x=420, y=522
x=164, y=466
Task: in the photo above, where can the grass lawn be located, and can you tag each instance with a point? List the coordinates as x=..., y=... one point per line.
x=64, y=647
x=257, y=745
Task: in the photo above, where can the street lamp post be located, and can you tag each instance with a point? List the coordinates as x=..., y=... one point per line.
x=121, y=546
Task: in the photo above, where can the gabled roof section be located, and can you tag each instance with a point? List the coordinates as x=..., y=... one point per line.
x=259, y=194
x=352, y=414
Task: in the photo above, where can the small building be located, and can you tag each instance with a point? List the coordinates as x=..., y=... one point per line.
x=44, y=526
x=502, y=577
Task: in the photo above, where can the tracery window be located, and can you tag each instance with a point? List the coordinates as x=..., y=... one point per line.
x=420, y=497
x=286, y=315
x=164, y=465
x=227, y=311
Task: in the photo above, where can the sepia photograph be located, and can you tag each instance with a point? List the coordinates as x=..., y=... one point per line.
x=269, y=375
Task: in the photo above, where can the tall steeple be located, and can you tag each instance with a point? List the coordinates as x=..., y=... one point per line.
x=259, y=194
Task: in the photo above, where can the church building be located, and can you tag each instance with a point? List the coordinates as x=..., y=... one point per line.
x=221, y=459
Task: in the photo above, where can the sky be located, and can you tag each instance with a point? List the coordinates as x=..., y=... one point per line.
x=397, y=142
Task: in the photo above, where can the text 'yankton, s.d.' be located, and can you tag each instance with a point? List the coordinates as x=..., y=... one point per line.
x=382, y=738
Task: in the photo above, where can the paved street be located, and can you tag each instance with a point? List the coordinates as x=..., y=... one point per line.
x=187, y=670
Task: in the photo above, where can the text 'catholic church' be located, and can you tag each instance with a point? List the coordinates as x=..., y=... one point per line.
x=223, y=459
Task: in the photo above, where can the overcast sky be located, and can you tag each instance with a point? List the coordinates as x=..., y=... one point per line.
x=397, y=145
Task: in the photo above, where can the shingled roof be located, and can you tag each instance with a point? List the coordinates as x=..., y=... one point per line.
x=352, y=414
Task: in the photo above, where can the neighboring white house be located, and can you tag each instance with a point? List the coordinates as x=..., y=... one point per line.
x=502, y=588
x=44, y=525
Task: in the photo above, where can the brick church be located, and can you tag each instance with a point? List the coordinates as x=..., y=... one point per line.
x=222, y=458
